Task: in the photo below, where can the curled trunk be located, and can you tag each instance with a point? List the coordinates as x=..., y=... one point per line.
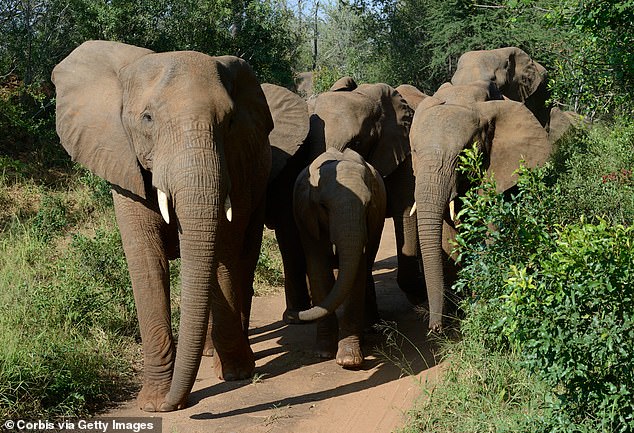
x=351, y=265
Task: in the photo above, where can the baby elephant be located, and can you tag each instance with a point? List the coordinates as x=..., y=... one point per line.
x=339, y=205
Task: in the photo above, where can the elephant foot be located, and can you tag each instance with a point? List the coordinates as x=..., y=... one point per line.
x=236, y=365
x=326, y=348
x=349, y=354
x=327, y=335
x=152, y=399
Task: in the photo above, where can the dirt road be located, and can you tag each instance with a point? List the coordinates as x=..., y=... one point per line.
x=293, y=391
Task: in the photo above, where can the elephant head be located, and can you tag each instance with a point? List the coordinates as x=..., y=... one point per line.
x=166, y=130
x=516, y=75
x=506, y=132
x=339, y=200
x=372, y=119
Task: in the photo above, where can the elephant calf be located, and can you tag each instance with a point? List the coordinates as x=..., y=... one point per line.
x=339, y=204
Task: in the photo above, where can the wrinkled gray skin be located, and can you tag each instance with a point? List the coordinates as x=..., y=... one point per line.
x=514, y=73
x=443, y=126
x=374, y=120
x=194, y=127
x=339, y=205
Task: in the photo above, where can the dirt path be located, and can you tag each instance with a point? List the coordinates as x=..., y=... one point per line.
x=297, y=392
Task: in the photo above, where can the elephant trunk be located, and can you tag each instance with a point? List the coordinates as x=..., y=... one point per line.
x=433, y=191
x=199, y=187
x=351, y=251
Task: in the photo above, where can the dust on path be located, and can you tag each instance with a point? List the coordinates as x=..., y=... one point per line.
x=296, y=392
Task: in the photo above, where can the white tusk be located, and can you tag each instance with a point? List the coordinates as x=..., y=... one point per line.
x=228, y=210
x=413, y=211
x=164, y=208
x=452, y=210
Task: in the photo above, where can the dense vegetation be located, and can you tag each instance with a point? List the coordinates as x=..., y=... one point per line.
x=548, y=295
x=548, y=336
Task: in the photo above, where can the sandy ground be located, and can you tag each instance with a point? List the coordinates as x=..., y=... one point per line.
x=293, y=391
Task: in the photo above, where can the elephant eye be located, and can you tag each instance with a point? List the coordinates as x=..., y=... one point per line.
x=147, y=117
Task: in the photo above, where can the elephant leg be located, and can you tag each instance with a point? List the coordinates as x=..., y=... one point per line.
x=410, y=277
x=142, y=232
x=208, y=348
x=349, y=353
x=319, y=266
x=248, y=263
x=400, y=186
x=233, y=356
x=372, y=316
x=295, y=270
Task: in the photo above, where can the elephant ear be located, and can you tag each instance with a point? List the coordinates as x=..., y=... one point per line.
x=393, y=146
x=252, y=121
x=525, y=76
x=291, y=123
x=411, y=94
x=344, y=84
x=89, y=103
x=517, y=135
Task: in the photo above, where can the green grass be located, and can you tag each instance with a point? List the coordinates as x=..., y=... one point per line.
x=480, y=391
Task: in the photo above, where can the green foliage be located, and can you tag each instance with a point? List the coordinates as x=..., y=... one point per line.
x=593, y=175
x=572, y=318
x=419, y=42
x=593, y=71
x=554, y=287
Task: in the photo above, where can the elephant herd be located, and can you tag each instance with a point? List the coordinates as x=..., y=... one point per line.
x=200, y=156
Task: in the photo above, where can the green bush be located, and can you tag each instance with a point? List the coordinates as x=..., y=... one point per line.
x=573, y=319
x=593, y=175
x=554, y=286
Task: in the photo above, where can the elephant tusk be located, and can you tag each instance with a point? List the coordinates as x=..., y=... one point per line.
x=452, y=210
x=163, y=207
x=228, y=210
x=413, y=210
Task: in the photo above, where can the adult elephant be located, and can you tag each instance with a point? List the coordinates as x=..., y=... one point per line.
x=373, y=120
x=183, y=139
x=443, y=126
x=339, y=206
x=516, y=75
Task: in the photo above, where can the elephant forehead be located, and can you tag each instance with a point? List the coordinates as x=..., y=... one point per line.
x=346, y=117
x=174, y=72
x=445, y=127
x=158, y=81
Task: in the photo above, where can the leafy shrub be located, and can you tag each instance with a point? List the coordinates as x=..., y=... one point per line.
x=573, y=318
x=554, y=286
